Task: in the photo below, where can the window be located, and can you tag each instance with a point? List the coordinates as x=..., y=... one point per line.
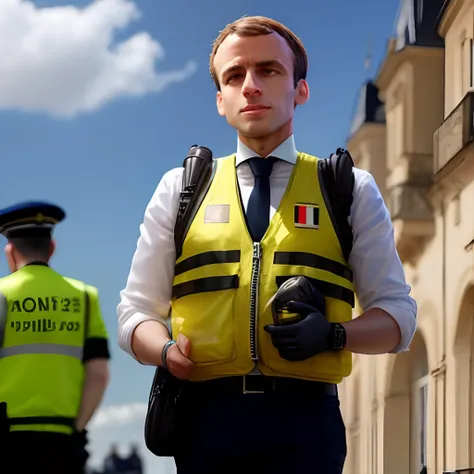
x=420, y=425
x=424, y=424
x=466, y=65
x=374, y=442
x=356, y=446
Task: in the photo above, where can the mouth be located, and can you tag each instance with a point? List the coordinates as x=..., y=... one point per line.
x=254, y=108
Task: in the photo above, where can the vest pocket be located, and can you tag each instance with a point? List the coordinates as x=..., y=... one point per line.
x=328, y=366
x=203, y=312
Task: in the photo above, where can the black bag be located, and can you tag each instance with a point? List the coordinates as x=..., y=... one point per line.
x=161, y=418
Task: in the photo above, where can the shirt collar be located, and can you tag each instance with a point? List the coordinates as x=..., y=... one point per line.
x=286, y=151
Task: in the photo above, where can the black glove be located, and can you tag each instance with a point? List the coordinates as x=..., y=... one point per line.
x=79, y=442
x=304, y=339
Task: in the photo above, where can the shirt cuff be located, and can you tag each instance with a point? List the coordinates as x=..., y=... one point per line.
x=126, y=331
x=406, y=320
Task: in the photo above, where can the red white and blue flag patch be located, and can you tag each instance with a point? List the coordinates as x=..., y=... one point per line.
x=307, y=216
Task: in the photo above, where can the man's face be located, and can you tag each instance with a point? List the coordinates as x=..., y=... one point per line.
x=257, y=94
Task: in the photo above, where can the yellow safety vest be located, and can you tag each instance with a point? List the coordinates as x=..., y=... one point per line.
x=224, y=281
x=41, y=356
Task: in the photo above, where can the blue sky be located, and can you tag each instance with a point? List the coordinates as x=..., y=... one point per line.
x=96, y=104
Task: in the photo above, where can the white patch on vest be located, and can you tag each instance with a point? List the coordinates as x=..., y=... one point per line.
x=217, y=213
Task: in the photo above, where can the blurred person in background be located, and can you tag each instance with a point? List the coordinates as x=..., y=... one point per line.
x=54, y=355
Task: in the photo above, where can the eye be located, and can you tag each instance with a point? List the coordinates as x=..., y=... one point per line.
x=233, y=77
x=269, y=71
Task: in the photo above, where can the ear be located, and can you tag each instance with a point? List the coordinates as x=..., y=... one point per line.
x=302, y=92
x=52, y=248
x=220, y=104
x=10, y=258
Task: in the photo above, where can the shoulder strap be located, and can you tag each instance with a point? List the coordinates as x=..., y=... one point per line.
x=336, y=175
x=197, y=177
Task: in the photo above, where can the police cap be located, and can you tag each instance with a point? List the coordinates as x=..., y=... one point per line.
x=30, y=218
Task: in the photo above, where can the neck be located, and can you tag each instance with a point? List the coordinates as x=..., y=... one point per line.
x=26, y=262
x=263, y=146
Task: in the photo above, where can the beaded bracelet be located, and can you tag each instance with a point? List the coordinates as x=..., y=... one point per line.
x=164, y=353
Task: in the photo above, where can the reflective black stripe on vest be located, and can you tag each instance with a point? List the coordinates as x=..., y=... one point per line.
x=42, y=420
x=205, y=284
x=313, y=261
x=42, y=348
x=207, y=258
x=327, y=289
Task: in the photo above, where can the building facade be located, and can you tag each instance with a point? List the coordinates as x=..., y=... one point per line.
x=413, y=412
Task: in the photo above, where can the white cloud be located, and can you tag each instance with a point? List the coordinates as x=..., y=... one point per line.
x=113, y=415
x=64, y=61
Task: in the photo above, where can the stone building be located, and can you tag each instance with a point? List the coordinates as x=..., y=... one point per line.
x=413, y=413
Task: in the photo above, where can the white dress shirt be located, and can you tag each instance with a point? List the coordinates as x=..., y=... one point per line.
x=379, y=278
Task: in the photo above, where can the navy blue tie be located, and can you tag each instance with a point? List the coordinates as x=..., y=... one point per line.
x=258, y=208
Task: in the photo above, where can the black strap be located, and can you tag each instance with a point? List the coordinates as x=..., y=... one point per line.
x=336, y=177
x=201, y=173
x=42, y=420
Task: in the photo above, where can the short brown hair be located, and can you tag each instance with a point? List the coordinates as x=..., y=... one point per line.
x=261, y=25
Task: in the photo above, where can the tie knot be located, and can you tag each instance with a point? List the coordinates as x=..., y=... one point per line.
x=262, y=167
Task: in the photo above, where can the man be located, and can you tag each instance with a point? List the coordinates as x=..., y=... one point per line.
x=233, y=260
x=114, y=463
x=53, y=350
x=134, y=461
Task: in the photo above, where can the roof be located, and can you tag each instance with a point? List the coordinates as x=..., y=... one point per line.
x=369, y=108
x=417, y=23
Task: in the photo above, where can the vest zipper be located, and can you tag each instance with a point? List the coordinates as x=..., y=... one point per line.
x=257, y=254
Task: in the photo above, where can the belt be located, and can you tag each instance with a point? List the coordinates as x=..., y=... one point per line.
x=259, y=384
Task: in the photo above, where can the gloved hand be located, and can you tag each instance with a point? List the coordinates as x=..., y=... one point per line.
x=304, y=339
x=79, y=441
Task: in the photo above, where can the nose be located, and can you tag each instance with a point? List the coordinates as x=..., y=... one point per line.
x=251, y=86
